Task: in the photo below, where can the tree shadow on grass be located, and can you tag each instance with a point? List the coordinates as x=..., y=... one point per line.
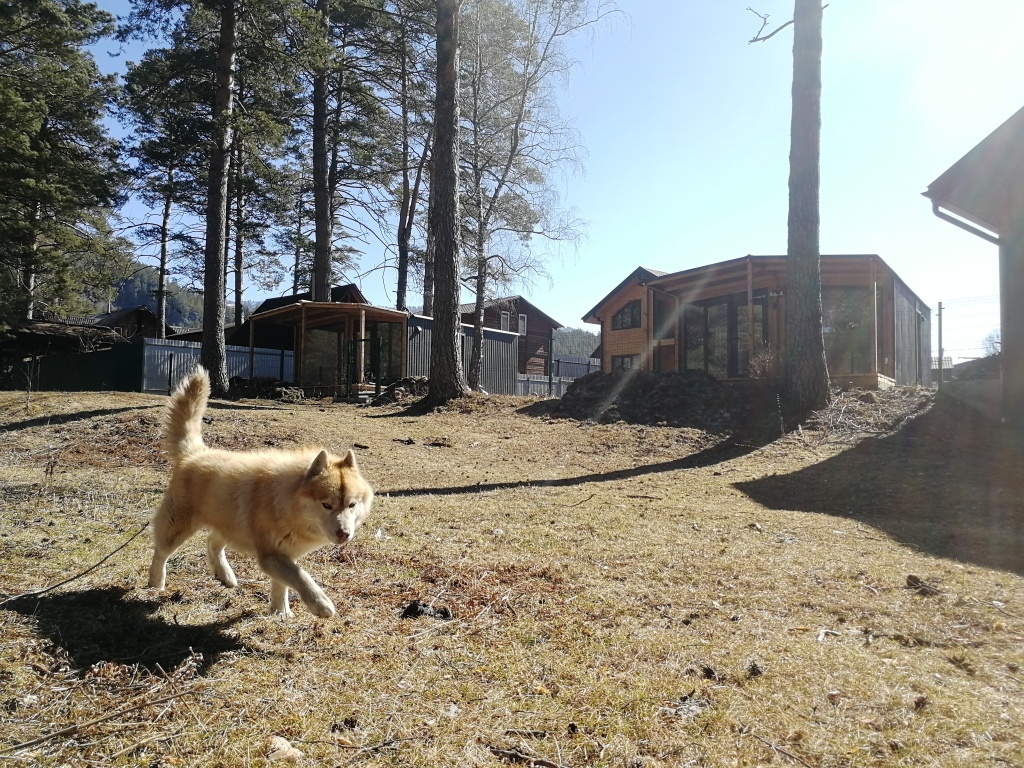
x=950, y=483
x=715, y=454
x=57, y=419
x=101, y=625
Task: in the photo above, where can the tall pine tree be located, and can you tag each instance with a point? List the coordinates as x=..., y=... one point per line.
x=60, y=171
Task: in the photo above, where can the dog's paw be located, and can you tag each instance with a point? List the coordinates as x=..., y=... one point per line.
x=283, y=610
x=322, y=606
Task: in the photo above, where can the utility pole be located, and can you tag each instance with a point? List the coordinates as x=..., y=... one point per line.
x=940, y=345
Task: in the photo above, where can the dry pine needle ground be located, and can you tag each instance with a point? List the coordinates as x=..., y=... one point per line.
x=592, y=594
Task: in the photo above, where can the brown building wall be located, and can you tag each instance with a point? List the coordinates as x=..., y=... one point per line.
x=629, y=341
x=533, y=347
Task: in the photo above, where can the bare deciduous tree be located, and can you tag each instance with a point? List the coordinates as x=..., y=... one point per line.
x=515, y=141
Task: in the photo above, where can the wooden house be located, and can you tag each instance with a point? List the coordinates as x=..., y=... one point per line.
x=983, y=193
x=728, y=320
x=516, y=314
x=133, y=322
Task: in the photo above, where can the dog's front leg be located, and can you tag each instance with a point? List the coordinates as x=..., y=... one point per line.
x=286, y=573
x=218, y=561
x=279, y=599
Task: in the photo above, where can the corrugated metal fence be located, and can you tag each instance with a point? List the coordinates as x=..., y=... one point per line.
x=157, y=365
x=913, y=337
x=167, y=361
x=565, y=369
x=575, y=366
x=544, y=386
x=501, y=354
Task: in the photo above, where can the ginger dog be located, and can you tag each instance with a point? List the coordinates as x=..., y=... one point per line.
x=275, y=505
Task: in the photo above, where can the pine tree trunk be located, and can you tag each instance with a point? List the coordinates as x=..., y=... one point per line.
x=476, y=358
x=428, y=251
x=805, y=383
x=239, y=235
x=446, y=377
x=213, y=354
x=321, y=184
x=296, y=267
x=405, y=210
x=165, y=236
x=30, y=266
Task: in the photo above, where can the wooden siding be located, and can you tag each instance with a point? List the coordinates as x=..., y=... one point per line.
x=628, y=341
x=534, y=347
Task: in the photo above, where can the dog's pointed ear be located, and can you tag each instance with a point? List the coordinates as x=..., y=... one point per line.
x=349, y=460
x=318, y=466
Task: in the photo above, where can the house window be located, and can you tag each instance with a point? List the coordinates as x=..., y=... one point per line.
x=625, y=362
x=664, y=321
x=627, y=317
x=847, y=329
x=716, y=335
x=504, y=321
x=522, y=325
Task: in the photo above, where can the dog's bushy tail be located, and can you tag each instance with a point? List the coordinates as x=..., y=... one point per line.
x=183, y=419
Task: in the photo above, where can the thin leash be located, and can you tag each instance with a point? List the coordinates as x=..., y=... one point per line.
x=90, y=569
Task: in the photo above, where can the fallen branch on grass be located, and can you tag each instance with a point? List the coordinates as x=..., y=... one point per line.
x=780, y=750
x=519, y=757
x=581, y=502
x=79, y=726
x=139, y=744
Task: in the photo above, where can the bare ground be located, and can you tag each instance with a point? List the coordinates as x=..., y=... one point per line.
x=675, y=593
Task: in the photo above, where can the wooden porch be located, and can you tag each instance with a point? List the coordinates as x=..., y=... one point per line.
x=341, y=347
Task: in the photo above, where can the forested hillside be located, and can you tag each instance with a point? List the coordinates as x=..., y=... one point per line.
x=575, y=341
x=184, y=307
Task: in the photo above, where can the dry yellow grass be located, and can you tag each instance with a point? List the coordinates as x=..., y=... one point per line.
x=620, y=596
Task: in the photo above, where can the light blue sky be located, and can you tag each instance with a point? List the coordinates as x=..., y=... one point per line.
x=686, y=129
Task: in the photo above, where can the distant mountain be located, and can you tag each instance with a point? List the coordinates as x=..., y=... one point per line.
x=575, y=341
x=184, y=307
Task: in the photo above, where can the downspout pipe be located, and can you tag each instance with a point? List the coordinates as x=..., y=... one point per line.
x=964, y=225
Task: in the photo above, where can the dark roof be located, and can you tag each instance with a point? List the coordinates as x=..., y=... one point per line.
x=508, y=301
x=110, y=318
x=983, y=184
x=53, y=337
x=640, y=274
x=347, y=294
x=666, y=278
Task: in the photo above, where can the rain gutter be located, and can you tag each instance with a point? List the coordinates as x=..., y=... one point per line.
x=965, y=225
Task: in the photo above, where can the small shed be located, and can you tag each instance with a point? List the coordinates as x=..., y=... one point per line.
x=133, y=322
x=27, y=343
x=983, y=193
x=41, y=337
x=337, y=345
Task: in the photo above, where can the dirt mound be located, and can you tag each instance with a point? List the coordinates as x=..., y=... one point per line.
x=741, y=408
x=692, y=399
